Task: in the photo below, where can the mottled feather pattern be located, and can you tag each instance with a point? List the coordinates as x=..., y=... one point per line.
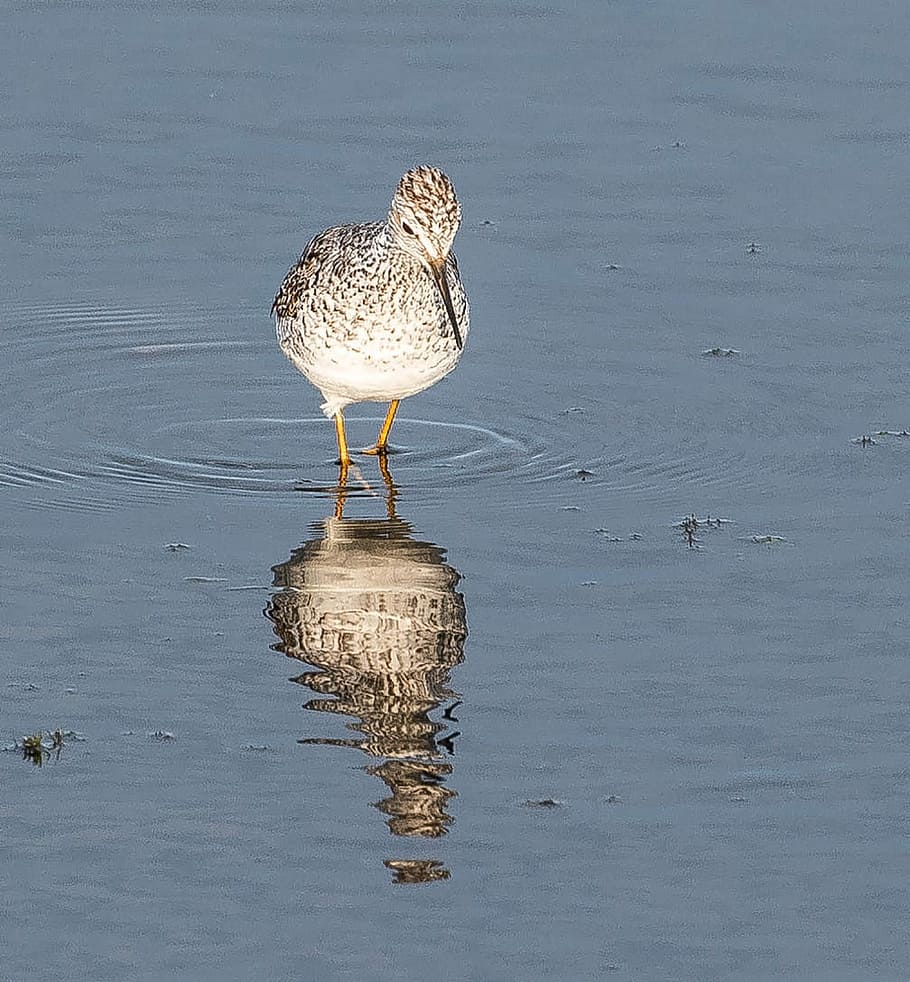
x=360, y=313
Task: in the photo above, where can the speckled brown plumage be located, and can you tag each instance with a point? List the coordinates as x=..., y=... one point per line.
x=377, y=311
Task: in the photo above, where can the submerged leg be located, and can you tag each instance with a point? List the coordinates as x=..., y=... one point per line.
x=391, y=490
x=344, y=458
x=382, y=441
x=340, y=492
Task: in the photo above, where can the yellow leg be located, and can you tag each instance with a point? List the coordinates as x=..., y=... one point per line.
x=344, y=458
x=382, y=441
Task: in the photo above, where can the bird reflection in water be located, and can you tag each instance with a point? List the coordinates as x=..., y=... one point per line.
x=377, y=614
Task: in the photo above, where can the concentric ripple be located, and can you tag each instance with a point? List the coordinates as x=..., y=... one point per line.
x=111, y=405
x=207, y=454
x=104, y=406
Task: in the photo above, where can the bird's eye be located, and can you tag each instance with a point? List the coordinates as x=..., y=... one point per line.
x=407, y=228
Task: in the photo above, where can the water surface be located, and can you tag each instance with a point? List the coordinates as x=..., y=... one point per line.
x=512, y=720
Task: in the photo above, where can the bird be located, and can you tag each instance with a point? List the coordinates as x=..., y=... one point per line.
x=376, y=311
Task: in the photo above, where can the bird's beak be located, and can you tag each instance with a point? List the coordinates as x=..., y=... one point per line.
x=438, y=269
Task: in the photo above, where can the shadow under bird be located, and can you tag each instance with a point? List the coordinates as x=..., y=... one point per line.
x=376, y=312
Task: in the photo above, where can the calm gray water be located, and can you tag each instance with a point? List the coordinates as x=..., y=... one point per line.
x=508, y=723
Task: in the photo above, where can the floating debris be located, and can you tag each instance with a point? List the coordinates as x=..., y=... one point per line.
x=609, y=536
x=692, y=524
x=720, y=352
x=175, y=546
x=689, y=527
x=38, y=747
x=544, y=803
x=870, y=441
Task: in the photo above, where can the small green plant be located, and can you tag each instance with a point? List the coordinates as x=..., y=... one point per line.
x=33, y=749
x=38, y=747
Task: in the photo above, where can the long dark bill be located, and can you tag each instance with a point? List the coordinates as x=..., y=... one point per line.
x=442, y=284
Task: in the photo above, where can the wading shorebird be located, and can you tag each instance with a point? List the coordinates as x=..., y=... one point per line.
x=376, y=312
